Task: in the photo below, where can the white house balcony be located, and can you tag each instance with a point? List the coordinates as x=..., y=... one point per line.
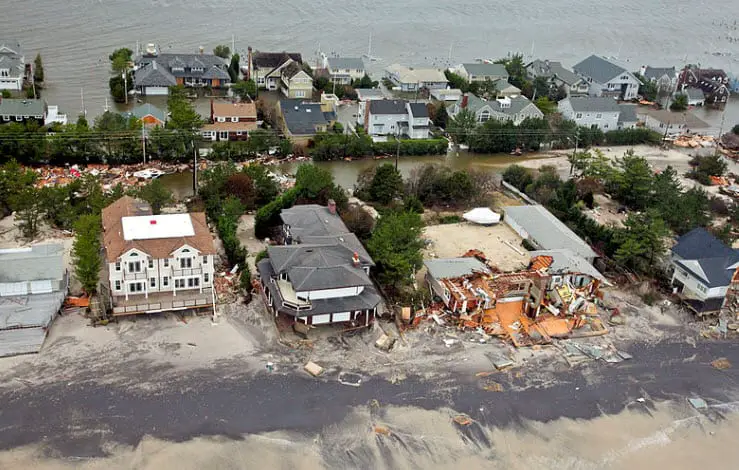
x=183, y=272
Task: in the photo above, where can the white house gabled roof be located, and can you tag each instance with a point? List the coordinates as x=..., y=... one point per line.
x=149, y=227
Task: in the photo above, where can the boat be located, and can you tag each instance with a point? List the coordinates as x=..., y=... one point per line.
x=149, y=173
x=481, y=216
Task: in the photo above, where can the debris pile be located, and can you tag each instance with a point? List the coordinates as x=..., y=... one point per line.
x=524, y=308
x=694, y=141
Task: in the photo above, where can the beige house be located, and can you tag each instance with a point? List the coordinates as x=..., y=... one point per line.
x=295, y=82
x=156, y=263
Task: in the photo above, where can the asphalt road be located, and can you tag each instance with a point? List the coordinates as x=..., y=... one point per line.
x=76, y=418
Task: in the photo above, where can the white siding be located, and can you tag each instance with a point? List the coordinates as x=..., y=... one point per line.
x=156, y=91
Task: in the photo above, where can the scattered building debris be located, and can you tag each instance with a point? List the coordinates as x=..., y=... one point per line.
x=383, y=430
x=721, y=363
x=462, y=420
x=385, y=342
x=351, y=379
x=313, y=369
x=698, y=403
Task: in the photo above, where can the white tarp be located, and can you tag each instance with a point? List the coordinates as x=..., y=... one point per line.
x=482, y=216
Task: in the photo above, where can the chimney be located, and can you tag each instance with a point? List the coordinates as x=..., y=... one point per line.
x=332, y=206
x=202, y=50
x=465, y=98
x=355, y=260
x=643, y=70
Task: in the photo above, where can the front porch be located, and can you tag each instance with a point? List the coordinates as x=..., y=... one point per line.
x=162, y=302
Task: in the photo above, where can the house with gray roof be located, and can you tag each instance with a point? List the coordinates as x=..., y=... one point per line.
x=591, y=111
x=265, y=68
x=301, y=120
x=627, y=118
x=664, y=77
x=320, y=275
x=558, y=76
x=149, y=114
x=33, y=285
x=391, y=118
x=514, y=108
x=344, y=70
x=695, y=96
x=607, y=78
x=479, y=72
x=544, y=231
x=22, y=110
x=13, y=68
x=154, y=73
x=703, y=269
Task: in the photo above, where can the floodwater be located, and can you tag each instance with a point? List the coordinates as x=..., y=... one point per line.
x=346, y=172
x=76, y=36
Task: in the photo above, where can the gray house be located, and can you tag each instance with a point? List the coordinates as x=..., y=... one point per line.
x=664, y=77
x=515, y=108
x=13, y=68
x=344, y=70
x=558, y=76
x=155, y=72
x=627, y=118
x=606, y=78
x=385, y=118
x=591, y=111
x=321, y=274
x=33, y=285
x=482, y=71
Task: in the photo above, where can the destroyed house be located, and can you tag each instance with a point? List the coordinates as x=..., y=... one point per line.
x=33, y=285
x=565, y=267
x=466, y=284
x=321, y=273
x=704, y=269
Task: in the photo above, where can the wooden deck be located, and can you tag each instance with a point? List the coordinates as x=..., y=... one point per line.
x=162, y=302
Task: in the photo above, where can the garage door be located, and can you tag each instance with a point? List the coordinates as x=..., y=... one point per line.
x=157, y=90
x=41, y=287
x=13, y=288
x=343, y=316
x=321, y=319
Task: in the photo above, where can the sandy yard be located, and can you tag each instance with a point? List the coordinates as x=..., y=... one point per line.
x=606, y=211
x=454, y=240
x=245, y=233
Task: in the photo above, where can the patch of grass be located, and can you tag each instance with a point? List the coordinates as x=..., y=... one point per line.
x=450, y=219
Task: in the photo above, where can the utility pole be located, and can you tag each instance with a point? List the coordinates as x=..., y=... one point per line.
x=195, y=169
x=125, y=84
x=143, y=139
x=397, y=154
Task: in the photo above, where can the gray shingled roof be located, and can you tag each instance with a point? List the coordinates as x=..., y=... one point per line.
x=628, y=113
x=12, y=44
x=599, y=69
x=546, y=230
x=367, y=300
x=387, y=107
x=655, y=73
x=474, y=104
x=314, y=267
x=272, y=60
x=446, y=268
x=153, y=74
x=419, y=110
x=147, y=109
x=486, y=70
x=312, y=220
x=340, y=63
x=565, y=261
x=302, y=118
x=187, y=61
x=369, y=93
x=13, y=64
x=22, y=107
x=549, y=69
x=594, y=104
x=693, y=93
x=347, y=240
x=216, y=72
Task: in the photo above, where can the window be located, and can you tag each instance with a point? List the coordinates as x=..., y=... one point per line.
x=117, y=265
x=179, y=283
x=205, y=259
x=193, y=282
x=234, y=119
x=6, y=118
x=166, y=262
x=117, y=285
x=221, y=119
x=165, y=281
x=206, y=278
x=578, y=116
x=151, y=263
x=185, y=263
x=153, y=282
x=239, y=133
x=598, y=116
x=223, y=135
x=136, y=287
x=18, y=118
x=134, y=266
x=300, y=94
x=484, y=116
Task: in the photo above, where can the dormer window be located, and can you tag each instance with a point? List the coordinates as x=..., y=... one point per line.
x=221, y=119
x=234, y=119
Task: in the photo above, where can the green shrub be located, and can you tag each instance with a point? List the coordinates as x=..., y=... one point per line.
x=450, y=219
x=637, y=135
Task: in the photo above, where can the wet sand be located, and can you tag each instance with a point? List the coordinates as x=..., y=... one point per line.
x=671, y=436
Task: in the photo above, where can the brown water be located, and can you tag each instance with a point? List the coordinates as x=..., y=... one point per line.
x=346, y=173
